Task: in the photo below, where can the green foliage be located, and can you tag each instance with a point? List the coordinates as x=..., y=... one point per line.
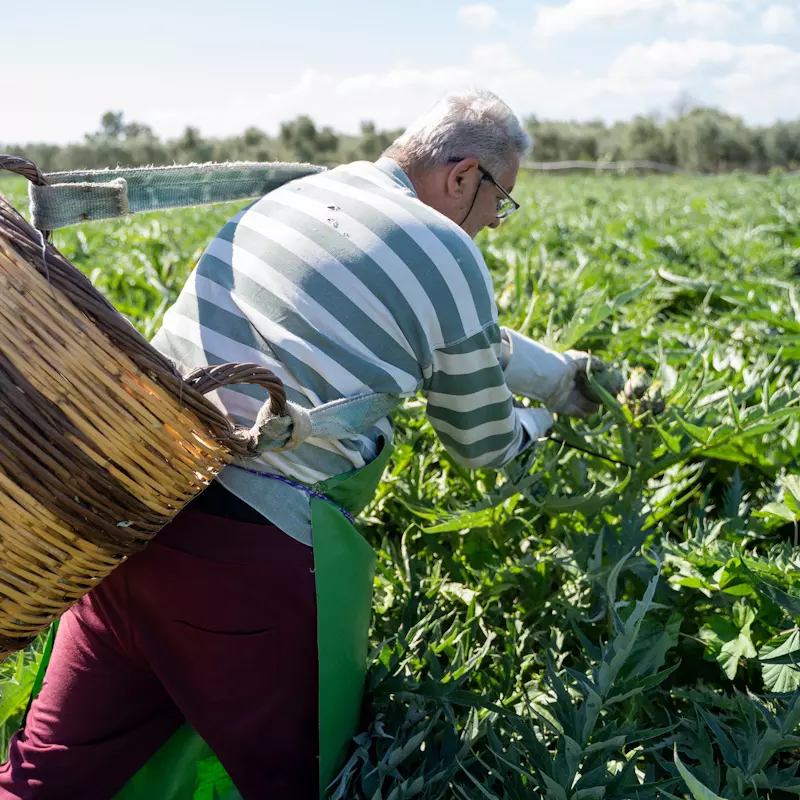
x=695, y=139
x=571, y=627
x=130, y=144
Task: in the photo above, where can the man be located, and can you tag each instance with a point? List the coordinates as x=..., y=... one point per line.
x=363, y=279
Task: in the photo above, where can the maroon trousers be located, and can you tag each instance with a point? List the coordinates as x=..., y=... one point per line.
x=215, y=622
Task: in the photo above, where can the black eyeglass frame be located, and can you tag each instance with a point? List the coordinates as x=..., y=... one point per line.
x=515, y=206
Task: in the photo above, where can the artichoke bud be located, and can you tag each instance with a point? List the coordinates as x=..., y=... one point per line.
x=636, y=387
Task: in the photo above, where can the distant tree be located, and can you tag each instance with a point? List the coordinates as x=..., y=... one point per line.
x=548, y=140
x=372, y=141
x=190, y=147
x=645, y=141
x=252, y=145
x=111, y=124
x=300, y=137
x=702, y=139
x=708, y=140
x=327, y=144
x=254, y=137
x=781, y=144
x=136, y=130
x=564, y=141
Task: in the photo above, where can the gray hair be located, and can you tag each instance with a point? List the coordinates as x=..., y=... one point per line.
x=465, y=122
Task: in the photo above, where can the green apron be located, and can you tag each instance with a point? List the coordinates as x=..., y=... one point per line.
x=185, y=768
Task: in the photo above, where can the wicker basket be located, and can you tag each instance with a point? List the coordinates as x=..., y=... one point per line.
x=102, y=441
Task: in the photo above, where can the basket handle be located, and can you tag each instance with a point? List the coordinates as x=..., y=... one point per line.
x=29, y=170
x=22, y=166
x=242, y=441
x=206, y=379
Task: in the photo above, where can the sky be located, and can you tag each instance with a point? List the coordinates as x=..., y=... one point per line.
x=223, y=67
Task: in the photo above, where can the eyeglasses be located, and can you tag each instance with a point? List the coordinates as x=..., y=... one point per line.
x=506, y=204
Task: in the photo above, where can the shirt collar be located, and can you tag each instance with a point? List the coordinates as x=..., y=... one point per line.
x=391, y=167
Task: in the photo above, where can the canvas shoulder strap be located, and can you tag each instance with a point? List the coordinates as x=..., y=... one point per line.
x=69, y=198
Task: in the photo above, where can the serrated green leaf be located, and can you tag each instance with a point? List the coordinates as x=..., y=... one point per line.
x=780, y=663
x=466, y=521
x=697, y=789
x=791, y=485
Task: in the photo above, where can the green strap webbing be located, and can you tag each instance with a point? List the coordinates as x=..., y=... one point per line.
x=75, y=197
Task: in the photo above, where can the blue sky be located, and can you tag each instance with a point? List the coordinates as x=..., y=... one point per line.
x=223, y=67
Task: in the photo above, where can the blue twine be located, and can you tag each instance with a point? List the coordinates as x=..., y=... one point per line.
x=303, y=488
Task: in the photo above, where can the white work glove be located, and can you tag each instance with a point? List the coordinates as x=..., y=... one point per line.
x=533, y=370
x=537, y=422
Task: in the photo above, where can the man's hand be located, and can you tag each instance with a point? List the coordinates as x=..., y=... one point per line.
x=572, y=400
x=552, y=378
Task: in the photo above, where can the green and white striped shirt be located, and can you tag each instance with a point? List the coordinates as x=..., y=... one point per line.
x=343, y=283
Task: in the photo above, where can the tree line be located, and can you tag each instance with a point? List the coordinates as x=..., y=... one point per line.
x=698, y=139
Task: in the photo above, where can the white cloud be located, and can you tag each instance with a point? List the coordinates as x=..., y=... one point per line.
x=494, y=55
x=780, y=20
x=477, y=15
x=671, y=60
x=769, y=61
x=763, y=75
x=391, y=98
x=580, y=14
x=410, y=80
x=553, y=20
x=703, y=15
x=756, y=81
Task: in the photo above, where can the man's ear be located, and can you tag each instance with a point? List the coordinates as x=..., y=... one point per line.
x=460, y=177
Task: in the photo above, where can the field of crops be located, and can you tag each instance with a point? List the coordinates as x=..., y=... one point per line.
x=574, y=628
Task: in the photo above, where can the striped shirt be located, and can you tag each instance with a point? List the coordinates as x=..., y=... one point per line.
x=344, y=283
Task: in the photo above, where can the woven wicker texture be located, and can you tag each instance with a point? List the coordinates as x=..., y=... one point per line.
x=102, y=441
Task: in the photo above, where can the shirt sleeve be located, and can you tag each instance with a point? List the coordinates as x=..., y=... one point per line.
x=469, y=404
